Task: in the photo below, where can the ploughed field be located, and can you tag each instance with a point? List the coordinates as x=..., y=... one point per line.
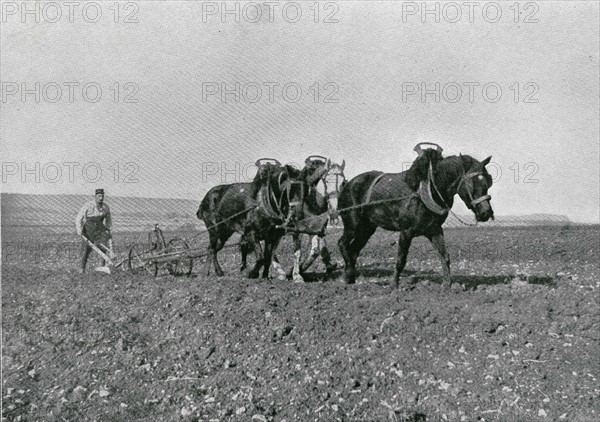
x=516, y=339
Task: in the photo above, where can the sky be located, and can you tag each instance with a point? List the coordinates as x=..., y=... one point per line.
x=356, y=81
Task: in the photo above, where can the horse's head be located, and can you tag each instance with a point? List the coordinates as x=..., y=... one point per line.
x=332, y=176
x=315, y=167
x=286, y=186
x=473, y=187
x=334, y=181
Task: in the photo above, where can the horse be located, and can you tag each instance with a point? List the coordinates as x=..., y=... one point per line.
x=319, y=209
x=415, y=203
x=260, y=210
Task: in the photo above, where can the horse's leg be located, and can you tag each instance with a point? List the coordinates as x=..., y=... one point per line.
x=318, y=247
x=296, y=276
x=437, y=239
x=349, y=264
x=281, y=274
x=270, y=247
x=314, y=253
x=351, y=247
x=258, y=253
x=244, y=248
x=326, y=257
x=217, y=241
x=404, y=241
x=359, y=242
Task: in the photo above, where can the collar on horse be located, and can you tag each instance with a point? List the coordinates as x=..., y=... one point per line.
x=272, y=206
x=427, y=197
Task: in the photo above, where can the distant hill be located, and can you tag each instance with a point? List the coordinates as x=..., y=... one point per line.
x=57, y=214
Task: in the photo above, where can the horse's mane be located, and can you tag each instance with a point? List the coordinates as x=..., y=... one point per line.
x=310, y=169
x=271, y=173
x=453, y=166
x=262, y=176
x=419, y=168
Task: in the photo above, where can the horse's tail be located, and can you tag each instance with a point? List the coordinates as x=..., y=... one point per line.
x=208, y=203
x=199, y=214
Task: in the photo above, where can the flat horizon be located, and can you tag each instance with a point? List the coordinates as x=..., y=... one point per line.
x=499, y=216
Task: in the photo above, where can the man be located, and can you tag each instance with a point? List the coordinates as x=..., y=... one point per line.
x=94, y=222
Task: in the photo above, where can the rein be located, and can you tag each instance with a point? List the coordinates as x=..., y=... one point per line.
x=462, y=180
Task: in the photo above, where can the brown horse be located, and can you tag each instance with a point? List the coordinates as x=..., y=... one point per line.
x=415, y=203
x=260, y=210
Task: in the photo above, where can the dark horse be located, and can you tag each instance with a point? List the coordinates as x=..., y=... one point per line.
x=415, y=203
x=319, y=208
x=260, y=210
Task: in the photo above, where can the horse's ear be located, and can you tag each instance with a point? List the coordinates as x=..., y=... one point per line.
x=343, y=164
x=486, y=161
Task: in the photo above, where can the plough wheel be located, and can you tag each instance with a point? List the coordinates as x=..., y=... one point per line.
x=140, y=262
x=180, y=266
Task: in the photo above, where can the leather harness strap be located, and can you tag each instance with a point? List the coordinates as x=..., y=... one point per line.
x=427, y=197
x=370, y=190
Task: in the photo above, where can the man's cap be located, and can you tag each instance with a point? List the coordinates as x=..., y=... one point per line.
x=99, y=191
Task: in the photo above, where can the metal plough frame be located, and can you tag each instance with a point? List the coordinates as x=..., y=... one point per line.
x=175, y=257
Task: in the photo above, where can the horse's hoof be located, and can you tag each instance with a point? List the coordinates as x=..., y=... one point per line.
x=331, y=268
x=252, y=274
x=298, y=279
x=219, y=273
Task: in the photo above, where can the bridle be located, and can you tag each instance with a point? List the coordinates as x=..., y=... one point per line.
x=469, y=177
x=334, y=193
x=339, y=176
x=463, y=178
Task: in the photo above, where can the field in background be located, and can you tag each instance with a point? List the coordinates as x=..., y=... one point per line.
x=27, y=214
x=515, y=339
x=56, y=213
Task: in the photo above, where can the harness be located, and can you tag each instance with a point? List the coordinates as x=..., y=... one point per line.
x=370, y=190
x=425, y=192
x=272, y=205
x=470, y=176
x=427, y=197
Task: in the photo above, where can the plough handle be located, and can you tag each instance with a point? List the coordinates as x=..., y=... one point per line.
x=98, y=251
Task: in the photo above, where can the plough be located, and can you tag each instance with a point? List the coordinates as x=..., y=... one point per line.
x=174, y=257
